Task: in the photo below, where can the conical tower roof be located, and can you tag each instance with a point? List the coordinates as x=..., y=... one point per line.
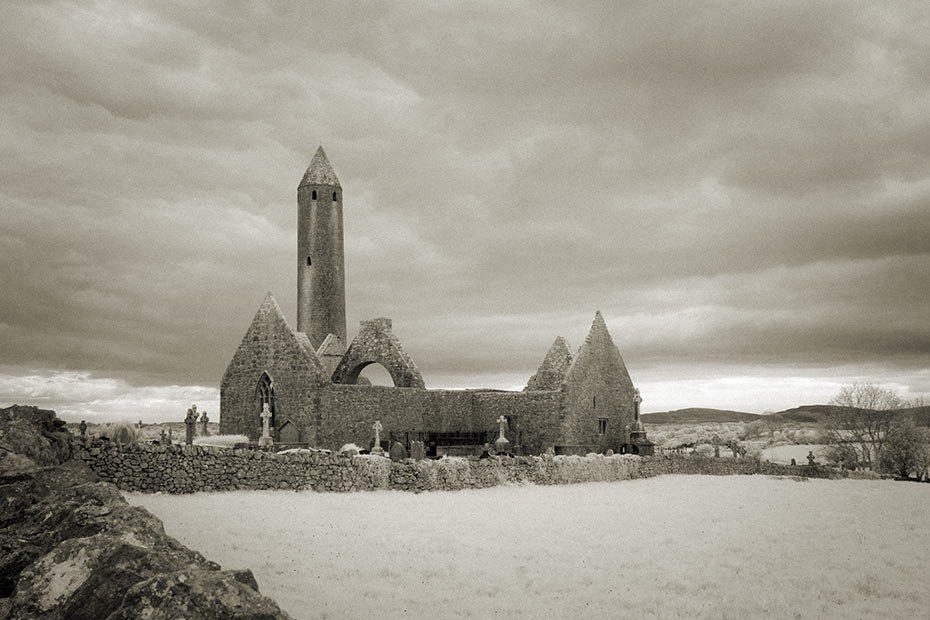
x=320, y=172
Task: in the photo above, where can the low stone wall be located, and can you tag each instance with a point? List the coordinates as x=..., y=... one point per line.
x=189, y=469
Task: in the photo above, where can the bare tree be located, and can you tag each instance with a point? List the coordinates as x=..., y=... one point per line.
x=906, y=450
x=862, y=423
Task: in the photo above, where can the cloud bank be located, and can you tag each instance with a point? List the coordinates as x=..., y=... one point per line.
x=743, y=189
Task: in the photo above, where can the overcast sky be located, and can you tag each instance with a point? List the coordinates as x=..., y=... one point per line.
x=743, y=190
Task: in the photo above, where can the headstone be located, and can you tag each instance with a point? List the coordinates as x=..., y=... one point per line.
x=794, y=462
x=163, y=438
x=266, y=441
x=376, y=447
x=810, y=458
x=289, y=433
x=140, y=424
x=170, y=435
x=610, y=452
x=502, y=445
x=123, y=437
x=417, y=450
x=398, y=452
x=190, y=422
x=203, y=422
x=83, y=428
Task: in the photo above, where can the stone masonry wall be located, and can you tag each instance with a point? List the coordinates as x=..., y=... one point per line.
x=347, y=413
x=189, y=469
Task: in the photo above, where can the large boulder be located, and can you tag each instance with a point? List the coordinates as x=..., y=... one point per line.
x=30, y=438
x=72, y=547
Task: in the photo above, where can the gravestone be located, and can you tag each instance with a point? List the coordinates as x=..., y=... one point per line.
x=289, y=433
x=163, y=438
x=266, y=441
x=123, y=436
x=610, y=452
x=501, y=445
x=190, y=422
x=810, y=458
x=203, y=421
x=376, y=447
x=398, y=452
x=417, y=450
x=83, y=428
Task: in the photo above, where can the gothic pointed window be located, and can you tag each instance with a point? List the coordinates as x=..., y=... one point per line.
x=265, y=395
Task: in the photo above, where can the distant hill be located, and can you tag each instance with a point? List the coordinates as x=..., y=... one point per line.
x=805, y=414
x=697, y=415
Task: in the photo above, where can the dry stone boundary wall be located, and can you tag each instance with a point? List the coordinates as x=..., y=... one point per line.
x=190, y=469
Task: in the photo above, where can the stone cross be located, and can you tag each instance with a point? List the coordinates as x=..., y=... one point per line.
x=503, y=422
x=190, y=422
x=83, y=428
x=637, y=399
x=377, y=428
x=203, y=421
x=265, y=441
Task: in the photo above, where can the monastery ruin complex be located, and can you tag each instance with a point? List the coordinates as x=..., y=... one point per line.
x=310, y=381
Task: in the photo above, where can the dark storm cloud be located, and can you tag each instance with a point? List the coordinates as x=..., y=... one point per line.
x=741, y=183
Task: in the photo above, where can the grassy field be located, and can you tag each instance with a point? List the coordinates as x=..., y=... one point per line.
x=667, y=547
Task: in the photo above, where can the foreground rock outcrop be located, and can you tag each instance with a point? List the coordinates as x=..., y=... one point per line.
x=71, y=547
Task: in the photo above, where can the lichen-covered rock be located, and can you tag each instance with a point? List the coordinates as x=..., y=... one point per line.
x=71, y=547
x=31, y=438
x=196, y=595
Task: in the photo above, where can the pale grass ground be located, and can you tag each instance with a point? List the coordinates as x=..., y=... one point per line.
x=668, y=547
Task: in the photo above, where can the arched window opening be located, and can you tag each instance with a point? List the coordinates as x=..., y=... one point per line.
x=313, y=195
x=308, y=261
x=376, y=374
x=334, y=197
x=594, y=403
x=265, y=395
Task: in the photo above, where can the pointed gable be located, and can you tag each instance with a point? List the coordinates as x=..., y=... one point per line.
x=269, y=341
x=331, y=352
x=551, y=372
x=599, y=355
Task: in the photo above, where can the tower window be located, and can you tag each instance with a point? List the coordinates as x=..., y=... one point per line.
x=602, y=426
x=308, y=261
x=334, y=196
x=313, y=195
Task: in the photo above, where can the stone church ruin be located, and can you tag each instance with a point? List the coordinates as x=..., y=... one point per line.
x=309, y=380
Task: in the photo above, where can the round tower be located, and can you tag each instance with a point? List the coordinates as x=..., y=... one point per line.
x=321, y=286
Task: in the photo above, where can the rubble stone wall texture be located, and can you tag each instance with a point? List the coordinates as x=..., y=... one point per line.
x=189, y=469
x=347, y=412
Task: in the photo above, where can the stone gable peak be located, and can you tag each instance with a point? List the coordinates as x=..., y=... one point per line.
x=552, y=371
